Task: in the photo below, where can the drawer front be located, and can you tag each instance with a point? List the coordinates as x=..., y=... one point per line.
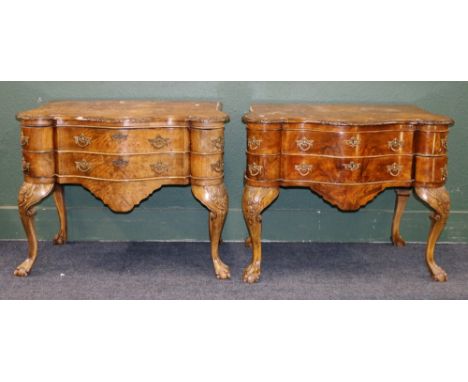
x=263, y=167
x=37, y=138
x=431, y=171
x=123, y=167
x=207, y=141
x=155, y=140
x=263, y=141
x=38, y=164
x=346, y=170
x=206, y=166
x=430, y=143
x=347, y=144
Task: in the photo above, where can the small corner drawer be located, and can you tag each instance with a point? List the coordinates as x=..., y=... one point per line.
x=346, y=170
x=106, y=166
x=347, y=144
x=166, y=139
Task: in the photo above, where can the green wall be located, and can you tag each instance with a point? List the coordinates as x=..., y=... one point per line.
x=173, y=214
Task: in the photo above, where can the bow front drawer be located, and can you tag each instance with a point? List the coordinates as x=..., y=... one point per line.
x=347, y=144
x=156, y=140
x=111, y=167
x=346, y=170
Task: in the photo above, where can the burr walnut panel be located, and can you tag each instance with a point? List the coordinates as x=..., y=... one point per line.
x=165, y=139
x=346, y=170
x=347, y=144
x=121, y=166
x=122, y=151
x=37, y=139
x=347, y=154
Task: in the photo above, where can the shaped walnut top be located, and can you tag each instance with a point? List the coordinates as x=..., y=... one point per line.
x=342, y=114
x=128, y=112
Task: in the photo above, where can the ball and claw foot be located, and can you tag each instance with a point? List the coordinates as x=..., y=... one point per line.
x=252, y=273
x=24, y=268
x=398, y=241
x=438, y=274
x=60, y=238
x=222, y=270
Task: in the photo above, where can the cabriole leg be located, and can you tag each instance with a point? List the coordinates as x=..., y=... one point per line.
x=29, y=195
x=439, y=200
x=254, y=201
x=61, y=236
x=215, y=198
x=402, y=196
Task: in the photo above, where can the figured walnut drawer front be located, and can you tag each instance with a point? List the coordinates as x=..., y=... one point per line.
x=123, y=166
x=123, y=140
x=346, y=170
x=347, y=144
x=431, y=143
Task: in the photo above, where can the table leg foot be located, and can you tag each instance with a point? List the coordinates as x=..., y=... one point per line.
x=29, y=195
x=252, y=273
x=254, y=201
x=439, y=200
x=402, y=196
x=215, y=198
x=61, y=236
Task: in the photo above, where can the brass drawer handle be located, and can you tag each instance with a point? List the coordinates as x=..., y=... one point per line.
x=353, y=142
x=444, y=171
x=159, y=142
x=120, y=163
x=352, y=166
x=394, y=169
x=119, y=137
x=303, y=169
x=82, y=140
x=395, y=144
x=83, y=165
x=26, y=166
x=24, y=140
x=255, y=169
x=159, y=167
x=218, y=143
x=254, y=143
x=217, y=166
x=443, y=145
x=304, y=144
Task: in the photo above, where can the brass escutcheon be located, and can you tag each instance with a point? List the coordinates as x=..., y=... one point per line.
x=26, y=166
x=394, y=169
x=119, y=137
x=218, y=166
x=304, y=144
x=395, y=144
x=24, y=140
x=82, y=140
x=443, y=144
x=83, y=165
x=159, y=167
x=218, y=143
x=120, y=163
x=352, y=166
x=255, y=169
x=444, y=171
x=303, y=168
x=159, y=142
x=253, y=143
x=353, y=142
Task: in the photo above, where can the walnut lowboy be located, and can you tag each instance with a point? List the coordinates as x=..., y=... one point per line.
x=347, y=154
x=122, y=151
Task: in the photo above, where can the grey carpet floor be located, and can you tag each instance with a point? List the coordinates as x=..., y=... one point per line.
x=145, y=270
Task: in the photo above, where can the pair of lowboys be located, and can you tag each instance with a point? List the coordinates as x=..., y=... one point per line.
x=122, y=151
